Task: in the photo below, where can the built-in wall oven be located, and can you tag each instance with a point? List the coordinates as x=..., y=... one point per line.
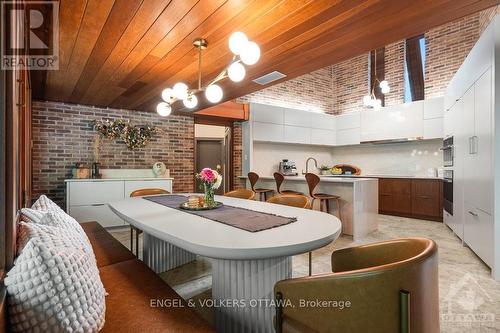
x=448, y=151
x=448, y=191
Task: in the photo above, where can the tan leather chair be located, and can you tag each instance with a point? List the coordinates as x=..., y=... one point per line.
x=139, y=193
x=241, y=193
x=253, y=178
x=294, y=200
x=392, y=286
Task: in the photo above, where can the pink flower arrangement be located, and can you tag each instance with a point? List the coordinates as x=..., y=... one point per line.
x=210, y=177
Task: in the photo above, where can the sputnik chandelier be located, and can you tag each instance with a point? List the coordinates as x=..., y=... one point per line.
x=371, y=101
x=244, y=52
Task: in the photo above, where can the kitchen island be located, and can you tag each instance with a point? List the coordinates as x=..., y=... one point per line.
x=358, y=199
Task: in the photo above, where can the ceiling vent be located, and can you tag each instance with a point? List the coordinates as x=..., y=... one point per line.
x=268, y=78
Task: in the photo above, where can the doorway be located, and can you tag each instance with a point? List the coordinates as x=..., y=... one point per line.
x=213, y=150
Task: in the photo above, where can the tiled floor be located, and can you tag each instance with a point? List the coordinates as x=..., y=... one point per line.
x=469, y=297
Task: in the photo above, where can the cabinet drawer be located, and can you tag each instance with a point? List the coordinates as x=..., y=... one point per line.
x=394, y=186
x=132, y=185
x=100, y=213
x=89, y=193
x=394, y=204
x=478, y=233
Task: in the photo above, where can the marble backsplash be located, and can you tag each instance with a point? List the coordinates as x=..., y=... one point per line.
x=399, y=159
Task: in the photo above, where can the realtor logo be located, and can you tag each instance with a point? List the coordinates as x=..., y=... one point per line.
x=33, y=31
x=465, y=302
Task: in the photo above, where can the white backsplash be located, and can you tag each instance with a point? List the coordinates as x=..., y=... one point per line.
x=404, y=159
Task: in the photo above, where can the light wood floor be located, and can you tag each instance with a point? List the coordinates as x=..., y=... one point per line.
x=469, y=297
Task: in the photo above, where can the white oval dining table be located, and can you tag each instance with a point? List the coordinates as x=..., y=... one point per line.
x=245, y=265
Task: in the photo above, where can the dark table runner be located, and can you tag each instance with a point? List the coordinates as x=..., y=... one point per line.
x=237, y=217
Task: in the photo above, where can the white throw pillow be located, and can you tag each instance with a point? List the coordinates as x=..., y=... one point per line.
x=56, y=219
x=44, y=203
x=54, y=286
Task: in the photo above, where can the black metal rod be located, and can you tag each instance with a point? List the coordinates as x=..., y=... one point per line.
x=404, y=302
x=279, y=312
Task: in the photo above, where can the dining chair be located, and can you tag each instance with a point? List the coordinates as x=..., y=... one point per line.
x=392, y=286
x=139, y=193
x=294, y=200
x=262, y=192
x=241, y=193
x=280, y=178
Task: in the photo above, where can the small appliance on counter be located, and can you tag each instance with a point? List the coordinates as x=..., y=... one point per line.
x=288, y=168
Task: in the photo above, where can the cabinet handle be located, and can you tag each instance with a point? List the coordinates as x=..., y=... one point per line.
x=96, y=205
x=475, y=144
x=473, y=214
x=470, y=145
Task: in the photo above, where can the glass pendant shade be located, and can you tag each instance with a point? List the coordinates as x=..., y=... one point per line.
x=191, y=101
x=237, y=42
x=236, y=72
x=163, y=109
x=386, y=90
x=367, y=100
x=214, y=93
x=167, y=94
x=181, y=90
x=250, y=54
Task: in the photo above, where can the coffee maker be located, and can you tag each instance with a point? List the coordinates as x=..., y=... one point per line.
x=288, y=168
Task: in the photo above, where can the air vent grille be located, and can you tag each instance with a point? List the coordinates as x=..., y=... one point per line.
x=268, y=78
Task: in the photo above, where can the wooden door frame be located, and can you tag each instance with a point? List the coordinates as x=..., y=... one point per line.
x=206, y=120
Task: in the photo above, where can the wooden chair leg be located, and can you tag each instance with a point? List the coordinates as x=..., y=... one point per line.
x=327, y=206
x=310, y=263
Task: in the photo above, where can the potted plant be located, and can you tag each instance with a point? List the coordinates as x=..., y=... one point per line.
x=324, y=170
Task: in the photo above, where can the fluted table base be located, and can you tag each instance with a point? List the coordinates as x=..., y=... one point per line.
x=242, y=290
x=161, y=256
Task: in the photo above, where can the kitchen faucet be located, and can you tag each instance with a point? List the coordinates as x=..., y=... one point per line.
x=307, y=164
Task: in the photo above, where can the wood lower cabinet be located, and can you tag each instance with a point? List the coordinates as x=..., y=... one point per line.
x=417, y=198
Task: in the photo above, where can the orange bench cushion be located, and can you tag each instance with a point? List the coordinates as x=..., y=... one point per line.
x=131, y=286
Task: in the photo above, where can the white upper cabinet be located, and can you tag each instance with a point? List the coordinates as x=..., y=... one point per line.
x=433, y=108
x=393, y=122
x=323, y=121
x=296, y=134
x=266, y=113
x=296, y=117
x=267, y=132
x=323, y=137
x=347, y=137
x=348, y=121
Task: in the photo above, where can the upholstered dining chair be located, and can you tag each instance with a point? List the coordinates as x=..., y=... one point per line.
x=139, y=193
x=391, y=286
x=241, y=193
x=294, y=200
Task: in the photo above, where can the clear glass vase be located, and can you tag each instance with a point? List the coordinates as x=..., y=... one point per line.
x=209, y=195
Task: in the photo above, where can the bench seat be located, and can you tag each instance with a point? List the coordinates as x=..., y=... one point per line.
x=132, y=287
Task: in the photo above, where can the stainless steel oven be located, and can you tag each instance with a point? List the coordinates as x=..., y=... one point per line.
x=448, y=151
x=448, y=191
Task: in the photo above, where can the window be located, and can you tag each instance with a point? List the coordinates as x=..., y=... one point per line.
x=377, y=72
x=414, y=68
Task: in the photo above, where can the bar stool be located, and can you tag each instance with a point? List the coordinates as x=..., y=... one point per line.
x=139, y=193
x=313, y=181
x=253, y=178
x=280, y=178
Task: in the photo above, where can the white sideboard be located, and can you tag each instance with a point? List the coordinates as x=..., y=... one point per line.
x=87, y=199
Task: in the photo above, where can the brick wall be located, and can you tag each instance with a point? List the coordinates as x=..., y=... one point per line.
x=63, y=136
x=394, y=64
x=311, y=91
x=486, y=16
x=446, y=49
x=237, y=156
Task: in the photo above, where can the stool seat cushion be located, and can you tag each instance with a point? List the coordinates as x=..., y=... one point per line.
x=263, y=190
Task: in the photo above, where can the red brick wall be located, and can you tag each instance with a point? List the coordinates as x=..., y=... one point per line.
x=486, y=16
x=237, y=156
x=63, y=136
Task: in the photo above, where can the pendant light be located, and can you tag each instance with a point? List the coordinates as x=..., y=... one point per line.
x=371, y=101
x=245, y=52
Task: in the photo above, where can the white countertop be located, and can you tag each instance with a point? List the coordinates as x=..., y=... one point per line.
x=114, y=179
x=329, y=179
x=312, y=230
x=350, y=178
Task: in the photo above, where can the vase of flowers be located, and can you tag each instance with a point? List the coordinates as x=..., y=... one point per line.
x=211, y=180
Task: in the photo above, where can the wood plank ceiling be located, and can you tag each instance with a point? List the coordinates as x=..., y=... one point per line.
x=122, y=53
